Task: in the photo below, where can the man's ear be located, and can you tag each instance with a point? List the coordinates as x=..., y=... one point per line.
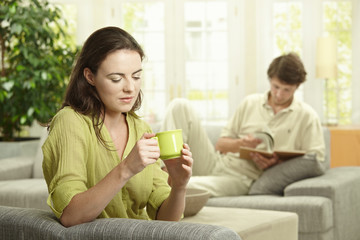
x=89, y=76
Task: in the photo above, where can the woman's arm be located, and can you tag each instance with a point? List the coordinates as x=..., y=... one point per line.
x=180, y=170
x=88, y=205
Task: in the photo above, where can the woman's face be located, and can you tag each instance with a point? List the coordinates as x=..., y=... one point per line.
x=118, y=80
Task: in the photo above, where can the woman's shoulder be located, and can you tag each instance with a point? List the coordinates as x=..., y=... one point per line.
x=68, y=115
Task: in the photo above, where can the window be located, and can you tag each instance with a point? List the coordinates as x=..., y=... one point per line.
x=69, y=11
x=206, y=59
x=295, y=26
x=287, y=31
x=187, y=59
x=287, y=21
x=337, y=22
x=215, y=52
x=146, y=22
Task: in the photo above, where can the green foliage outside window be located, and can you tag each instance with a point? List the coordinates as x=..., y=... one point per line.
x=338, y=23
x=288, y=28
x=131, y=12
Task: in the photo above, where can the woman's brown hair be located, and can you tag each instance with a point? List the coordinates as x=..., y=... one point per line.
x=83, y=97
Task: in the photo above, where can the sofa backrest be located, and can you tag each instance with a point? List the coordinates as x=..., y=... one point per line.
x=213, y=131
x=28, y=223
x=327, y=138
x=37, y=167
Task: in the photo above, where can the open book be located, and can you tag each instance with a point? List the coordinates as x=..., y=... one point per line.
x=283, y=155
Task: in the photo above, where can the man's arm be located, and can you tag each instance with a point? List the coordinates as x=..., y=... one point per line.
x=312, y=140
x=226, y=144
x=263, y=162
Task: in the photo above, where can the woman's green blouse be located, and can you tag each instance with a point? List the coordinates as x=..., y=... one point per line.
x=75, y=160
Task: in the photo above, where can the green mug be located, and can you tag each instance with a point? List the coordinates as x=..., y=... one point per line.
x=170, y=143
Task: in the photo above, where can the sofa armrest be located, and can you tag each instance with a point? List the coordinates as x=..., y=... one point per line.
x=16, y=168
x=120, y=228
x=335, y=181
x=25, y=223
x=342, y=186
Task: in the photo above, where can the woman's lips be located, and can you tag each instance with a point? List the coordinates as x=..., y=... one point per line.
x=126, y=99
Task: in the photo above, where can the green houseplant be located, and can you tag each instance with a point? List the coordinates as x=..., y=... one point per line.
x=36, y=59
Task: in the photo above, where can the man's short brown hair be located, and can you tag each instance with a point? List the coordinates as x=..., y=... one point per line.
x=288, y=68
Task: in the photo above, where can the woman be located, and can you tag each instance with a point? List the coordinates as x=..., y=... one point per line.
x=100, y=159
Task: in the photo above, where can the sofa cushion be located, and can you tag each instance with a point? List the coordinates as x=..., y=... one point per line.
x=250, y=224
x=16, y=168
x=28, y=193
x=275, y=179
x=315, y=213
x=340, y=185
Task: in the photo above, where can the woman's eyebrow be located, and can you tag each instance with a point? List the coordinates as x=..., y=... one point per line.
x=137, y=71
x=123, y=74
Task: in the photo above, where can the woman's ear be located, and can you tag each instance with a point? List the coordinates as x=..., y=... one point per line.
x=89, y=76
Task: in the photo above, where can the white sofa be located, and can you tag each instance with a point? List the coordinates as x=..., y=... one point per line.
x=24, y=213
x=22, y=182
x=328, y=206
x=29, y=223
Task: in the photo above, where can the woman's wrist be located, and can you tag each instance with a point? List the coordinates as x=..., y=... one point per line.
x=179, y=189
x=123, y=172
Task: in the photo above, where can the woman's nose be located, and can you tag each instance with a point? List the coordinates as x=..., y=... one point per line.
x=129, y=85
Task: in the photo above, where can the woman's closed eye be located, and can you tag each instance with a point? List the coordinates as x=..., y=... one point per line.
x=115, y=79
x=118, y=79
x=136, y=77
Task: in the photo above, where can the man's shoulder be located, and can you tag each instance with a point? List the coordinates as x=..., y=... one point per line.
x=250, y=101
x=254, y=97
x=305, y=108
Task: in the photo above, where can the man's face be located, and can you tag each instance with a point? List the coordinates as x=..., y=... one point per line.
x=281, y=93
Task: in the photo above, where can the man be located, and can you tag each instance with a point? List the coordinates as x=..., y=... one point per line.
x=293, y=124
